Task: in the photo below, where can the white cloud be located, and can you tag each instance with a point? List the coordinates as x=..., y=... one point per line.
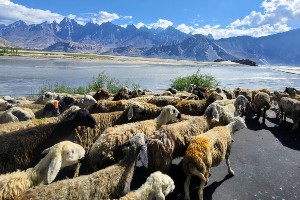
x=184, y=28
x=162, y=23
x=127, y=17
x=139, y=25
x=263, y=30
x=275, y=11
x=104, y=16
x=11, y=12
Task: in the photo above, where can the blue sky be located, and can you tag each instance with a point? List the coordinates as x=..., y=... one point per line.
x=221, y=18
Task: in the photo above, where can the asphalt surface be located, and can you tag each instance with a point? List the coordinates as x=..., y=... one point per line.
x=266, y=162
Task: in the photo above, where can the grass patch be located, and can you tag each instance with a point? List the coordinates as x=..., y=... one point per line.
x=101, y=81
x=201, y=80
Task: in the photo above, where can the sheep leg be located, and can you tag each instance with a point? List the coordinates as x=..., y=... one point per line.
x=200, y=191
x=258, y=114
x=264, y=115
x=160, y=196
x=230, y=171
x=187, y=187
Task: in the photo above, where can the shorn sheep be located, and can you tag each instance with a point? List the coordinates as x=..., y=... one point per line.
x=171, y=141
x=16, y=114
x=109, y=183
x=104, y=151
x=61, y=155
x=208, y=150
x=20, y=149
x=157, y=186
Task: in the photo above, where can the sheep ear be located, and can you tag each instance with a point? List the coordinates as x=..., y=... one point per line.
x=130, y=113
x=215, y=115
x=46, y=150
x=144, y=155
x=54, y=168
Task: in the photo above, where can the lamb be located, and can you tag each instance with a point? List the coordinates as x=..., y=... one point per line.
x=109, y=183
x=104, y=151
x=197, y=107
x=289, y=107
x=19, y=149
x=16, y=114
x=171, y=141
x=157, y=186
x=60, y=155
x=208, y=150
x=261, y=101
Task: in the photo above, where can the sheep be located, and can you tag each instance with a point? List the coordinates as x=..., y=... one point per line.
x=208, y=150
x=197, y=107
x=289, y=107
x=109, y=183
x=261, y=101
x=104, y=151
x=63, y=154
x=276, y=96
x=235, y=106
x=134, y=112
x=10, y=127
x=123, y=93
x=172, y=90
x=87, y=101
x=19, y=149
x=4, y=105
x=46, y=97
x=171, y=141
x=66, y=102
x=9, y=99
x=157, y=186
x=293, y=93
x=15, y=114
x=101, y=94
x=51, y=109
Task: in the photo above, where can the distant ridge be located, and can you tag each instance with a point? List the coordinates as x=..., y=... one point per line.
x=108, y=38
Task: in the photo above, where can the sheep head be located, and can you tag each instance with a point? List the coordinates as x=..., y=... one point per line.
x=138, y=141
x=81, y=117
x=60, y=155
x=162, y=184
x=134, y=108
x=238, y=123
x=168, y=114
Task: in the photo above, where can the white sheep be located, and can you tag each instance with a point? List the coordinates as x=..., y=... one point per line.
x=44, y=98
x=157, y=186
x=16, y=114
x=234, y=106
x=109, y=183
x=208, y=150
x=63, y=154
x=4, y=105
x=87, y=101
x=104, y=150
x=291, y=108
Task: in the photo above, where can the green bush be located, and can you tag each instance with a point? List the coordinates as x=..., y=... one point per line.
x=98, y=82
x=201, y=80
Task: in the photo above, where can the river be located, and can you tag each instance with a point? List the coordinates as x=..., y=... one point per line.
x=23, y=77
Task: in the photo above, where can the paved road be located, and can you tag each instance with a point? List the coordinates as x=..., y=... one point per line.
x=266, y=161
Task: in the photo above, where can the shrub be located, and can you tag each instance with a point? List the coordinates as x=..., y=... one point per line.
x=98, y=82
x=201, y=80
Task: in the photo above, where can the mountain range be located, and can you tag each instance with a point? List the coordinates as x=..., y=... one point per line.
x=108, y=38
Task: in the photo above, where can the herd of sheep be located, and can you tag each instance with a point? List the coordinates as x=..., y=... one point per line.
x=97, y=139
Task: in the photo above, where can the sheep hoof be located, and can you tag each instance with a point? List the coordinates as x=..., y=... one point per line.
x=231, y=172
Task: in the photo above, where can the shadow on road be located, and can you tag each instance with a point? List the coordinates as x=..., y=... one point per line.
x=209, y=190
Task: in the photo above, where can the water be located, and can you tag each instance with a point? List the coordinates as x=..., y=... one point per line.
x=23, y=77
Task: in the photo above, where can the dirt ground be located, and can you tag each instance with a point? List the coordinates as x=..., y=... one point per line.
x=266, y=162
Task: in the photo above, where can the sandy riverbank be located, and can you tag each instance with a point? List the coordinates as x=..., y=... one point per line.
x=112, y=59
